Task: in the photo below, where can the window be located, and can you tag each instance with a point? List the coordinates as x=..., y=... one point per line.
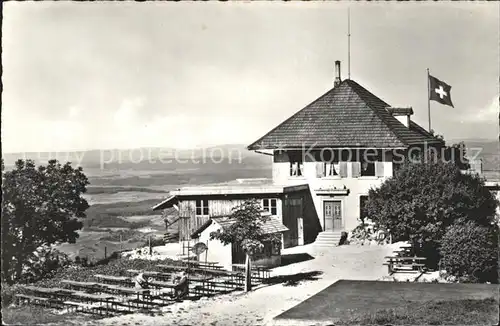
x=296, y=167
x=362, y=210
x=270, y=205
x=202, y=207
x=331, y=169
x=368, y=168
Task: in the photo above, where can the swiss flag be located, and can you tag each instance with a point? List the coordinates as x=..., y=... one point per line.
x=439, y=91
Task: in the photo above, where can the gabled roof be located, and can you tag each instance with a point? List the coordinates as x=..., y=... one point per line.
x=348, y=115
x=170, y=201
x=271, y=225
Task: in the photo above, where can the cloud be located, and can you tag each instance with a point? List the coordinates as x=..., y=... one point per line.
x=487, y=113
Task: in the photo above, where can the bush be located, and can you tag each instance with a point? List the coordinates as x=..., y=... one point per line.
x=8, y=292
x=44, y=262
x=367, y=231
x=470, y=252
x=155, y=241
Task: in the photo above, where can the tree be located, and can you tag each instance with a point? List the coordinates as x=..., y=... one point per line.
x=423, y=199
x=40, y=206
x=246, y=232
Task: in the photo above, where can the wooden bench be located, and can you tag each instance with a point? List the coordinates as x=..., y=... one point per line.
x=156, y=275
x=91, y=286
x=114, y=279
x=31, y=299
x=396, y=262
x=262, y=272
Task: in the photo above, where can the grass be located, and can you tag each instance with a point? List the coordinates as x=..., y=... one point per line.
x=376, y=302
x=108, y=215
x=452, y=312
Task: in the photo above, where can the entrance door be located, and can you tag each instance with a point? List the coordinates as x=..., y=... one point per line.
x=333, y=215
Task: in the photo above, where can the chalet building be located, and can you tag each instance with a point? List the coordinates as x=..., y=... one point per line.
x=326, y=157
x=227, y=255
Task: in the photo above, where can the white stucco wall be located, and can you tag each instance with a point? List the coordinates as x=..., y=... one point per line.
x=216, y=250
x=357, y=187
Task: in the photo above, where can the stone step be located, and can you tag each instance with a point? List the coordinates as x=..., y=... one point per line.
x=328, y=238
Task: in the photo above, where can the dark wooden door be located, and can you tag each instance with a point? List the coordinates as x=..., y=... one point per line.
x=292, y=211
x=332, y=215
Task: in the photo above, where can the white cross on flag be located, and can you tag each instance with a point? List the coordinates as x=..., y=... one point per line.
x=439, y=91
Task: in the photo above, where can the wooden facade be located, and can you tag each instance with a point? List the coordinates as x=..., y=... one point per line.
x=295, y=209
x=189, y=221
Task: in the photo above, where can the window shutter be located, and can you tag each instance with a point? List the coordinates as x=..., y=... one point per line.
x=343, y=169
x=356, y=169
x=319, y=169
x=379, y=169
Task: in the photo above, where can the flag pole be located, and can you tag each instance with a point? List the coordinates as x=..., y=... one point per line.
x=429, y=99
x=348, y=42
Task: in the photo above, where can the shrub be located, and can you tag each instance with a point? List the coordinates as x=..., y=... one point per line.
x=368, y=231
x=470, y=252
x=44, y=262
x=8, y=292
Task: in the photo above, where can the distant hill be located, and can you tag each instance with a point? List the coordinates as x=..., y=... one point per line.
x=152, y=166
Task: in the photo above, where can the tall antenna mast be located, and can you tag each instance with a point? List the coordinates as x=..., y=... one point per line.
x=348, y=42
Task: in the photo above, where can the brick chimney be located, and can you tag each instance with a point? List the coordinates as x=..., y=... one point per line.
x=337, y=74
x=402, y=114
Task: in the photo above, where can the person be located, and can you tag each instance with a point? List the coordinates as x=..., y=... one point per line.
x=140, y=281
x=181, y=285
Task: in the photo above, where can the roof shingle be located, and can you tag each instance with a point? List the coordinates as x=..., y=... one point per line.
x=346, y=116
x=271, y=225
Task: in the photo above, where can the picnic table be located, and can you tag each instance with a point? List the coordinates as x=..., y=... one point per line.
x=92, y=286
x=123, y=291
x=207, y=264
x=158, y=275
x=173, y=267
x=54, y=293
x=123, y=280
x=393, y=262
x=46, y=296
x=109, y=301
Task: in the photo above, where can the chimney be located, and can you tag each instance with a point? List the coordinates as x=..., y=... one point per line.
x=337, y=74
x=402, y=114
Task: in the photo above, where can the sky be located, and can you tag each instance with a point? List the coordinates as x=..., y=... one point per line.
x=87, y=75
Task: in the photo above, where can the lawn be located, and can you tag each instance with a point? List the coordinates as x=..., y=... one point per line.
x=401, y=303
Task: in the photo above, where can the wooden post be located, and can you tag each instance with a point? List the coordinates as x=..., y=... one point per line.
x=248, y=274
x=121, y=244
x=105, y=252
x=150, y=248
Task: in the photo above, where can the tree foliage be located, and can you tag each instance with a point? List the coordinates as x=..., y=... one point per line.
x=423, y=199
x=40, y=206
x=470, y=252
x=246, y=231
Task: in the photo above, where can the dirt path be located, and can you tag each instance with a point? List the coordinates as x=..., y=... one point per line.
x=298, y=282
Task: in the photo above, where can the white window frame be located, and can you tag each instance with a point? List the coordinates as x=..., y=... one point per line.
x=367, y=175
x=329, y=168
x=269, y=206
x=296, y=168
